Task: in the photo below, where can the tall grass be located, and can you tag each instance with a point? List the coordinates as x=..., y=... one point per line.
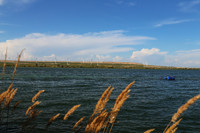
x=101, y=120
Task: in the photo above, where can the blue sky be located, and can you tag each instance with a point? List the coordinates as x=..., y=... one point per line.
x=155, y=32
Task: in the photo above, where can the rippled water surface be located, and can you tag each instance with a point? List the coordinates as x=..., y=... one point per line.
x=152, y=103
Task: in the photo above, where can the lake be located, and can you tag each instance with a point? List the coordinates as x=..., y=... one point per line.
x=152, y=100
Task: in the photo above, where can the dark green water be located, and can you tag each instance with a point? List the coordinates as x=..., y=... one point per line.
x=152, y=103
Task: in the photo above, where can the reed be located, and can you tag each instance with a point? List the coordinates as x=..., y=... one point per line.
x=16, y=105
x=123, y=96
x=10, y=97
x=37, y=95
x=98, y=108
x=181, y=110
x=96, y=124
x=71, y=111
x=4, y=94
x=32, y=107
x=104, y=118
x=149, y=131
x=3, y=72
x=53, y=118
x=173, y=128
x=103, y=100
x=184, y=108
x=101, y=103
x=78, y=122
x=33, y=114
x=16, y=65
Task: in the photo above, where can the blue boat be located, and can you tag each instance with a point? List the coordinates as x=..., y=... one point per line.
x=169, y=78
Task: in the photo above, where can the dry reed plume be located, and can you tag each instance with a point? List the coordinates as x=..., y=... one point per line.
x=103, y=100
x=101, y=103
x=16, y=105
x=184, y=108
x=33, y=113
x=173, y=128
x=96, y=124
x=32, y=107
x=9, y=97
x=51, y=120
x=78, y=122
x=37, y=95
x=149, y=131
x=180, y=110
x=104, y=118
x=118, y=104
x=71, y=111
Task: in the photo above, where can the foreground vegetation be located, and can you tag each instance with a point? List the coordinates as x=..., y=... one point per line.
x=71, y=64
x=101, y=120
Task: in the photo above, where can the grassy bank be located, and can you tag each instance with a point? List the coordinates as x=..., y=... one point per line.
x=114, y=65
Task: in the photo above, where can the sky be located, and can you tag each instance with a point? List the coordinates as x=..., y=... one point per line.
x=152, y=32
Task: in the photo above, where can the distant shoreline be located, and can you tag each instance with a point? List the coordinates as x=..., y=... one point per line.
x=78, y=64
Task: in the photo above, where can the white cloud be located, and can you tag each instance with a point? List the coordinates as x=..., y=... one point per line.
x=190, y=6
x=189, y=58
x=103, y=58
x=40, y=46
x=118, y=59
x=131, y=4
x=172, y=21
x=1, y=2
x=1, y=31
x=154, y=56
x=149, y=56
x=126, y=3
x=16, y=2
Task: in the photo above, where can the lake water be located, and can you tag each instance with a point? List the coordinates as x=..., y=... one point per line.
x=152, y=103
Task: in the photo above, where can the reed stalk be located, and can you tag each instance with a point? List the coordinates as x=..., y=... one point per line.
x=33, y=114
x=123, y=96
x=3, y=72
x=7, y=102
x=16, y=65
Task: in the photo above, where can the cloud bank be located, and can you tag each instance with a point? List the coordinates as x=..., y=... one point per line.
x=74, y=46
x=190, y=6
x=98, y=46
x=154, y=56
